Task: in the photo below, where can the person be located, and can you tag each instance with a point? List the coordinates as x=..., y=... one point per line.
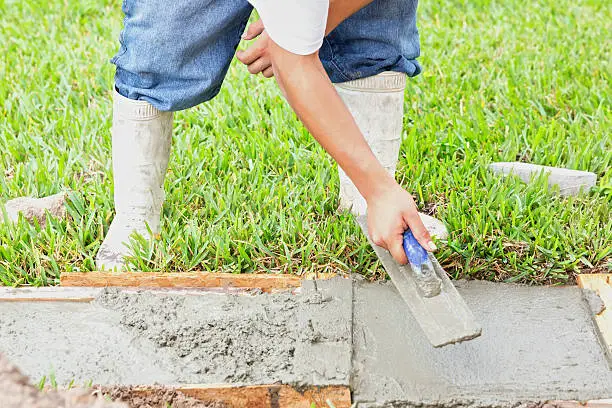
x=175, y=55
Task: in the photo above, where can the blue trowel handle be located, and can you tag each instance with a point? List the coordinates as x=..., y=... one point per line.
x=416, y=254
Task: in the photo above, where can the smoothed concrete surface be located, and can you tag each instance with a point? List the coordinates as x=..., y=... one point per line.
x=538, y=343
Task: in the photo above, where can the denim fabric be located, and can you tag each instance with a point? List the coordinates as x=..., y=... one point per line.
x=176, y=54
x=380, y=37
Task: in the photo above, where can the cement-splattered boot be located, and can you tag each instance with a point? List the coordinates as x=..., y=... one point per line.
x=377, y=104
x=141, y=137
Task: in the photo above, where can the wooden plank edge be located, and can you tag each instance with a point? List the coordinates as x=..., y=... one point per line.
x=74, y=291
x=264, y=282
x=601, y=284
x=48, y=294
x=236, y=396
x=602, y=403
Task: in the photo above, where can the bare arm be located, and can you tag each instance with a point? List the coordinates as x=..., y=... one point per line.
x=316, y=102
x=340, y=10
x=391, y=210
x=303, y=80
x=257, y=57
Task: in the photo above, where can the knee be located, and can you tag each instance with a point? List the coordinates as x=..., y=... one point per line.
x=162, y=83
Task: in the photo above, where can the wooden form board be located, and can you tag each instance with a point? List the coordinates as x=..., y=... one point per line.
x=265, y=282
x=603, y=403
x=48, y=294
x=601, y=283
x=256, y=396
x=84, y=287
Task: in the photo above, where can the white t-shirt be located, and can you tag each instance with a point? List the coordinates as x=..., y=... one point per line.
x=298, y=26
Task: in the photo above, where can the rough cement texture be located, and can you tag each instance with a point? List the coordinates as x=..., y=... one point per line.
x=149, y=337
x=16, y=391
x=596, y=304
x=246, y=339
x=570, y=182
x=36, y=208
x=538, y=343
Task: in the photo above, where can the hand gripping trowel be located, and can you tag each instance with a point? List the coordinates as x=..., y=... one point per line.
x=433, y=300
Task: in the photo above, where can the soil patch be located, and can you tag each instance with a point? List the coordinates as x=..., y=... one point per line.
x=17, y=392
x=158, y=397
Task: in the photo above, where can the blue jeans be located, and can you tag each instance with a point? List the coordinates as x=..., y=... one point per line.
x=175, y=54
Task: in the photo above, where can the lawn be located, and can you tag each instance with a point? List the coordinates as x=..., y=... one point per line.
x=249, y=190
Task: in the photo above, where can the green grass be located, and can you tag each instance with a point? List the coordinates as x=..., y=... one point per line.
x=249, y=190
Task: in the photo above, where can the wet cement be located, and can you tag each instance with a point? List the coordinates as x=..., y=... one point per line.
x=146, y=337
x=595, y=303
x=538, y=343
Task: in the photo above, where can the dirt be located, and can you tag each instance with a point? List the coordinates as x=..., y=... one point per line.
x=159, y=397
x=17, y=392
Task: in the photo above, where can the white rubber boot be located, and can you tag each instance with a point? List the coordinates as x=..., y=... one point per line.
x=141, y=137
x=377, y=104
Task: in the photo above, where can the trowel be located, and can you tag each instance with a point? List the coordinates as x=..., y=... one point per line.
x=433, y=300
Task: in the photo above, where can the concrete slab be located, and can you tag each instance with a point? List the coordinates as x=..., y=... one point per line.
x=570, y=182
x=147, y=337
x=538, y=344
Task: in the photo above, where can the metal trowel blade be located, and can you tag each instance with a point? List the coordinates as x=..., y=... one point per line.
x=445, y=318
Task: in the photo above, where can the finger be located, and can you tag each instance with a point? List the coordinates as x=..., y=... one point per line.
x=258, y=66
x=250, y=55
x=419, y=231
x=397, y=250
x=254, y=30
x=378, y=241
x=268, y=72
